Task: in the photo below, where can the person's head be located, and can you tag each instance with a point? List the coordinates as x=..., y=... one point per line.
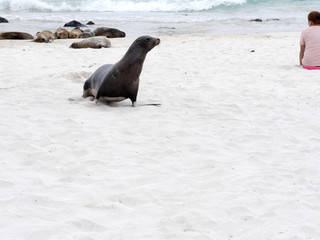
x=314, y=18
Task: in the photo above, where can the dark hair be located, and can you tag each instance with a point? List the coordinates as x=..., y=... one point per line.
x=314, y=17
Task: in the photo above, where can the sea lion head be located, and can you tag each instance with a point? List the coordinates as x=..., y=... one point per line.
x=74, y=45
x=61, y=33
x=147, y=42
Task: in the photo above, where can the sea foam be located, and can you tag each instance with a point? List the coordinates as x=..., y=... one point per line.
x=115, y=5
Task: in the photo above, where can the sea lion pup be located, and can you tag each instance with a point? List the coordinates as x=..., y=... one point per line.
x=44, y=36
x=15, y=36
x=109, y=32
x=75, y=33
x=87, y=35
x=119, y=81
x=93, y=42
x=61, y=33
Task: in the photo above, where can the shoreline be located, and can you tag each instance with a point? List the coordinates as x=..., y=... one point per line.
x=161, y=23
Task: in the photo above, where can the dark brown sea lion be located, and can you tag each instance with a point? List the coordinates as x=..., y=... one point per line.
x=44, y=36
x=75, y=33
x=119, y=81
x=93, y=42
x=61, y=33
x=15, y=35
x=109, y=32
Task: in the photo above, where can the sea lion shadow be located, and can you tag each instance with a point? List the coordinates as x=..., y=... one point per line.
x=114, y=104
x=124, y=104
x=78, y=99
x=91, y=102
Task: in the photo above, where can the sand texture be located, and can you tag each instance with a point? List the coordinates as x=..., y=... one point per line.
x=232, y=153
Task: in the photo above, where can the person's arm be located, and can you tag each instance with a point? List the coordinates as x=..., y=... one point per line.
x=302, y=48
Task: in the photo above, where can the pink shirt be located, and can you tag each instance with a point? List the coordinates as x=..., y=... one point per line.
x=310, y=37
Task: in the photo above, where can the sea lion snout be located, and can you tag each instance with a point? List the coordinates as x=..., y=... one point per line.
x=156, y=42
x=151, y=42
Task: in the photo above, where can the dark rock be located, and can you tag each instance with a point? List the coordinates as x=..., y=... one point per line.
x=74, y=23
x=167, y=28
x=90, y=23
x=109, y=32
x=273, y=19
x=3, y=20
x=256, y=20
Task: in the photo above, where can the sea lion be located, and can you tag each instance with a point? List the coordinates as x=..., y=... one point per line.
x=109, y=32
x=3, y=20
x=15, y=35
x=75, y=33
x=119, y=81
x=74, y=23
x=88, y=35
x=44, y=36
x=93, y=42
x=61, y=33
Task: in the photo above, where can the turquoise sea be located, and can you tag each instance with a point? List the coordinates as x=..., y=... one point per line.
x=158, y=17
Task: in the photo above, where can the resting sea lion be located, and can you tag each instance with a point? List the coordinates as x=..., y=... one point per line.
x=15, y=35
x=109, y=32
x=117, y=82
x=75, y=33
x=61, y=33
x=44, y=36
x=93, y=42
x=87, y=35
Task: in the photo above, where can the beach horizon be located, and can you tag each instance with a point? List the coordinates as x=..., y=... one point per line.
x=155, y=17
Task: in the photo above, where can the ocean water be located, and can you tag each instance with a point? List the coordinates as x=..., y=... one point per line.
x=160, y=17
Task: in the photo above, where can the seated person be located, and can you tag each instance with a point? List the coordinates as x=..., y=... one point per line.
x=310, y=43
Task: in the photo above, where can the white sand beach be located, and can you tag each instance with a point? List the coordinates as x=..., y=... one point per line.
x=232, y=153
